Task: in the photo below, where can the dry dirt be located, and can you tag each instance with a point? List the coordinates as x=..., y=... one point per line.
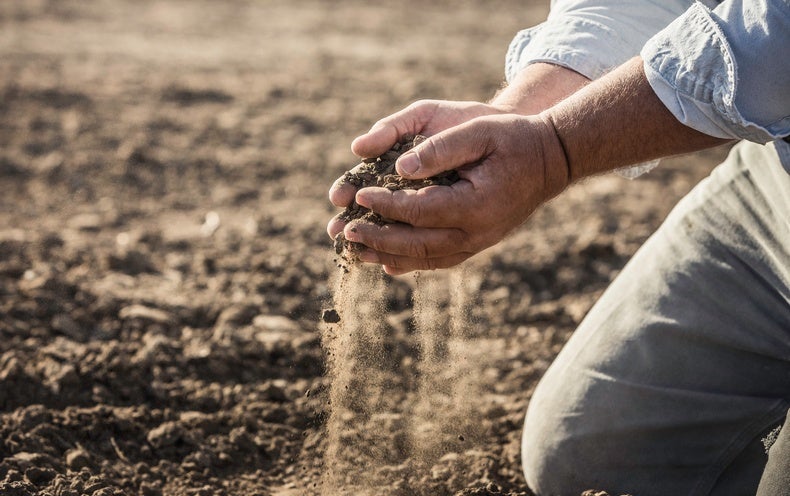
x=164, y=263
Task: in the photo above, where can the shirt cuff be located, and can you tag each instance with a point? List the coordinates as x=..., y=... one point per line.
x=588, y=47
x=691, y=67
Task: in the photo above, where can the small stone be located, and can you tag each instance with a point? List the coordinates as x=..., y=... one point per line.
x=275, y=323
x=167, y=434
x=142, y=312
x=77, y=459
x=493, y=488
x=210, y=224
x=232, y=318
x=273, y=392
x=132, y=262
x=65, y=325
x=330, y=316
x=39, y=475
x=13, y=476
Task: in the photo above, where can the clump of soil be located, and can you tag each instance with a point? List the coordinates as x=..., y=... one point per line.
x=380, y=171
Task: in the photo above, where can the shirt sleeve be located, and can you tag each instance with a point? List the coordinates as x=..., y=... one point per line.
x=591, y=37
x=724, y=71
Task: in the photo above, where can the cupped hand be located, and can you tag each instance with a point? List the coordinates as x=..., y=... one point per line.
x=508, y=164
x=426, y=117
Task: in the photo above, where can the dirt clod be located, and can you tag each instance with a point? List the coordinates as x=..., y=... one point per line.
x=330, y=316
x=77, y=458
x=380, y=172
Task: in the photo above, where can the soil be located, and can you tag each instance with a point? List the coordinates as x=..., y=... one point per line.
x=380, y=172
x=164, y=263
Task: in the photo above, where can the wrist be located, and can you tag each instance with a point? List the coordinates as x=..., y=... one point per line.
x=557, y=172
x=538, y=87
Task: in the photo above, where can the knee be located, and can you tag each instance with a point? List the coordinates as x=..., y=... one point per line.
x=551, y=455
x=566, y=442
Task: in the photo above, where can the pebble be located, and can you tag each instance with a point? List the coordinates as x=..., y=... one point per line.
x=330, y=316
x=273, y=393
x=166, y=434
x=275, y=323
x=143, y=312
x=64, y=324
x=39, y=475
x=77, y=458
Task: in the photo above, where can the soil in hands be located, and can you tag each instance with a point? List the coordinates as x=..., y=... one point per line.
x=380, y=171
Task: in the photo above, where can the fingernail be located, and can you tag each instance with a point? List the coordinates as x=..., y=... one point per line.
x=409, y=163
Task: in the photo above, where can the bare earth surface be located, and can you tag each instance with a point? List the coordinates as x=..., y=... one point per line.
x=164, y=264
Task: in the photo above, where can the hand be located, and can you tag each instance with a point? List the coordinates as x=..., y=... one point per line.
x=508, y=165
x=426, y=117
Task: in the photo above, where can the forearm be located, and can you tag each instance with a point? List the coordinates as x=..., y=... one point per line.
x=618, y=121
x=538, y=87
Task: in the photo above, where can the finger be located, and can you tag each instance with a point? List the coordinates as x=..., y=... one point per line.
x=335, y=226
x=406, y=266
x=341, y=193
x=396, y=266
x=403, y=240
x=390, y=130
x=433, y=206
x=453, y=148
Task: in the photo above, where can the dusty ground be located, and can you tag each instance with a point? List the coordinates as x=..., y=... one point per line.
x=163, y=260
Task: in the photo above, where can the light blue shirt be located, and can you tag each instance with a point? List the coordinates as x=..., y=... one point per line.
x=722, y=69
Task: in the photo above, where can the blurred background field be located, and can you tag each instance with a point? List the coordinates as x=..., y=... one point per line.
x=163, y=259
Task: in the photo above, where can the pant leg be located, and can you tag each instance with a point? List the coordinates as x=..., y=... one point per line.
x=776, y=477
x=684, y=363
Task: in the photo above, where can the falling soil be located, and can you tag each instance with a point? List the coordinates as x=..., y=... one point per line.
x=361, y=368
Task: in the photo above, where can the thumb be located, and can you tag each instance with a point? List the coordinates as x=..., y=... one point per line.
x=391, y=129
x=453, y=148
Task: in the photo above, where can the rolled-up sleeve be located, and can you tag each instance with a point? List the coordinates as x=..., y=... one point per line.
x=724, y=71
x=591, y=36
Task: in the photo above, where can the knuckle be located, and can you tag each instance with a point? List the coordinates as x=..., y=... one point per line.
x=375, y=243
x=406, y=207
x=413, y=212
x=424, y=110
x=422, y=104
x=417, y=249
x=435, y=149
x=384, y=122
x=429, y=149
